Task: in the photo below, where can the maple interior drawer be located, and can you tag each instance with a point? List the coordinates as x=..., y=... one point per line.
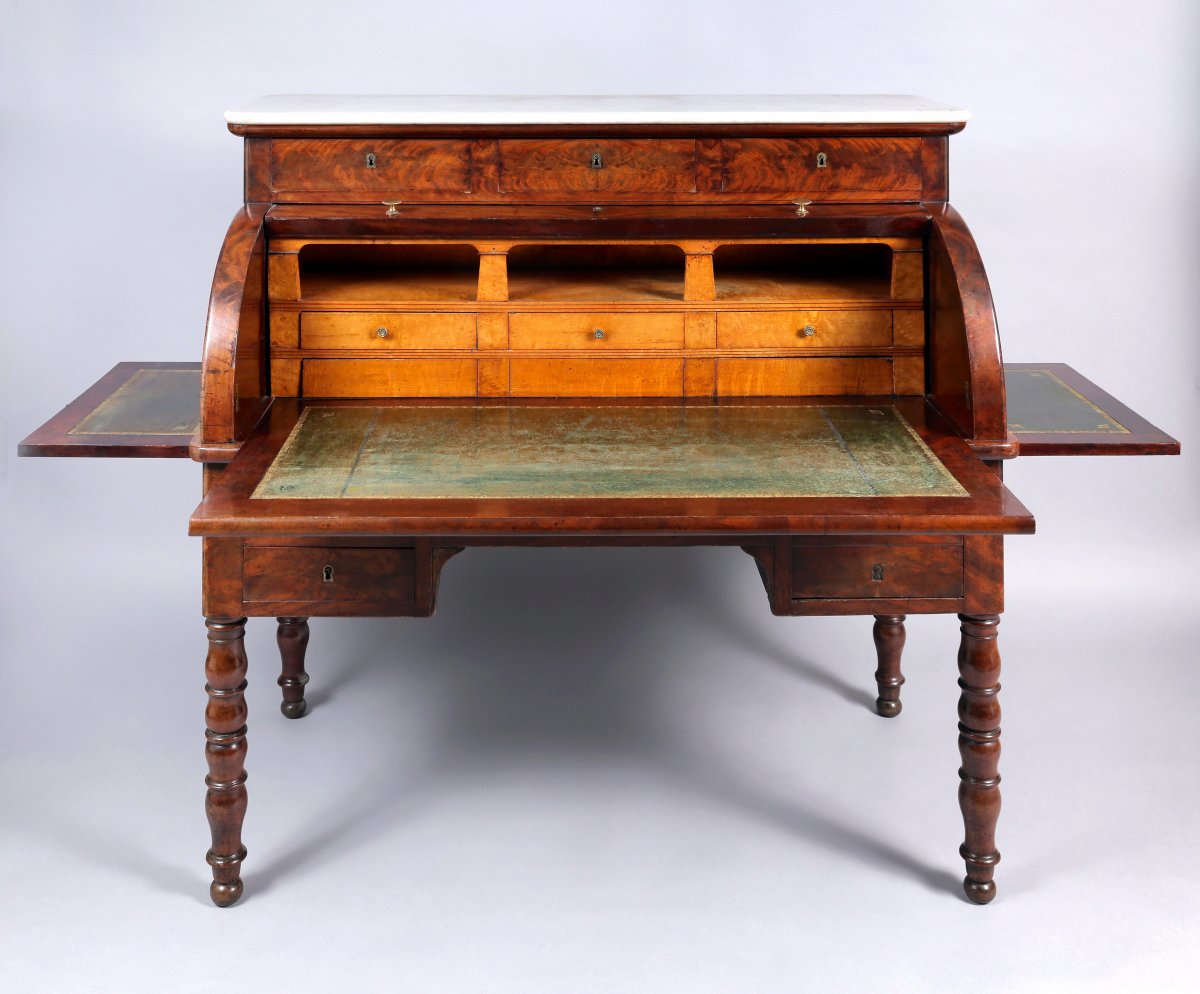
x=388, y=378
x=803, y=329
x=596, y=331
x=932, y=568
x=384, y=330
x=602, y=165
x=808, y=376
x=375, y=168
x=380, y=577
x=595, y=376
x=873, y=168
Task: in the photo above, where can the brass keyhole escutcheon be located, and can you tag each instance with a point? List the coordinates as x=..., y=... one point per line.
x=370, y=160
x=877, y=572
x=597, y=162
x=381, y=333
x=808, y=331
x=327, y=575
x=822, y=160
x=598, y=334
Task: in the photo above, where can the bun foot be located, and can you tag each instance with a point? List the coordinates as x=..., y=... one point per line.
x=294, y=709
x=223, y=895
x=888, y=709
x=979, y=891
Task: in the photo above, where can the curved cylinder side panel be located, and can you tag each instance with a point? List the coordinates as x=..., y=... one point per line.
x=233, y=383
x=966, y=371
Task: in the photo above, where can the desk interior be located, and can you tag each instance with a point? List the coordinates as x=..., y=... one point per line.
x=572, y=451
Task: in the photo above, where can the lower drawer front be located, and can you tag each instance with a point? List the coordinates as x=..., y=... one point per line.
x=388, y=378
x=877, y=571
x=811, y=376
x=382, y=577
x=596, y=331
x=383, y=330
x=803, y=329
x=596, y=377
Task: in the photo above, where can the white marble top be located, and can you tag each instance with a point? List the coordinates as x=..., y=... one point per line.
x=770, y=109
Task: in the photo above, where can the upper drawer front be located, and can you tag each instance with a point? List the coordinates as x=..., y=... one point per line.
x=804, y=329
x=384, y=330
x=303, y=166
x=596, y=331
x=599, y=165
x=931, y=569
x=873, y=168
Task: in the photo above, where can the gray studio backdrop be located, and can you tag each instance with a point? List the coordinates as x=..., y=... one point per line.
x=598, y=771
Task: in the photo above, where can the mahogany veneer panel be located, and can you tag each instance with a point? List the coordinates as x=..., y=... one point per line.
x=401, y=168
x=868, y=166
x=871, y=570
x=626, y=166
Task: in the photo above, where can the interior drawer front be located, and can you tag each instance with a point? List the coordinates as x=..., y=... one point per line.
x=388, y=378
x=877, y=571
x=596, y=377
x=598, y=166
x=329, y=575
x=384, y=330
x=804, y=329
x=877, y=166
x=596, y=331
x=322, y=165
x=810, y=376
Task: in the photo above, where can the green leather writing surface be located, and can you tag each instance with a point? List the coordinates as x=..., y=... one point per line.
x=618, y=451
x=151, y=402
x=1041, y=403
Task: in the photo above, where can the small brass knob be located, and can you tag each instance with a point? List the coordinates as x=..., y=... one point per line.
x=802, y=206
x=391, y=207
x=598, y=333
x=381, y=333
x=808, y=331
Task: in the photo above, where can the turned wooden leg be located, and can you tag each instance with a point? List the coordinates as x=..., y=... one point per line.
x=889, y=644
x=225, y=750
x=979, y=745
x=293, y=641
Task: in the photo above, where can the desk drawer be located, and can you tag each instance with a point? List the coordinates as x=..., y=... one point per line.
x=390, y=377
x=867, y=570
x=804, y=329
x=351, y=580
x=596, y=331
x=602, y=165
x=373, y=168
x=873, y=168
x=384, y=330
